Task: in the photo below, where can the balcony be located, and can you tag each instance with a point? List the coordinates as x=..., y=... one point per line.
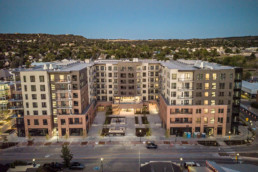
x=185, y=79
x=15, y=108
x=184, y=97
x=184, y=88
x=62, y=81
x=15, y=100
x=180, y=122
x=64, y=107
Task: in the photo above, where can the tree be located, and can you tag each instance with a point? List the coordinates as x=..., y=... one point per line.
x=66, y=155
x=247, y=75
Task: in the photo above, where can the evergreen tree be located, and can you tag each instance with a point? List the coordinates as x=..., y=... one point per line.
x=66, y=155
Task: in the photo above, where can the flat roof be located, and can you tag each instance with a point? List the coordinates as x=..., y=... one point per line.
x=249, y=87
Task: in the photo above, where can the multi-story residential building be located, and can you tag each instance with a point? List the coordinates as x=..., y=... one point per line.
x=191, y=96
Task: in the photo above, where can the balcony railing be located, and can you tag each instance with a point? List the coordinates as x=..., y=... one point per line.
x=15, y=108
x=185, y=79
x=62, y=81
x=185, y=88
x=184, y=97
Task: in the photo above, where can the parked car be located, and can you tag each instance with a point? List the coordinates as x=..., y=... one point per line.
x=54, y=166
x=151, y=145
x=77, y=165
x=192, y=164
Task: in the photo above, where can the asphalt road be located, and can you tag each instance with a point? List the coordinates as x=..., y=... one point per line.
x=127, y=157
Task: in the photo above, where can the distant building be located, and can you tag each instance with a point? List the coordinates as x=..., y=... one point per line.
x=160, y=166
x=249, y=89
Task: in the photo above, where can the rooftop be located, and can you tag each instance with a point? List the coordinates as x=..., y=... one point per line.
x=249, y=87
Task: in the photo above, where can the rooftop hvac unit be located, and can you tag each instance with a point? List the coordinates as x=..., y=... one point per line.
x=45, y=67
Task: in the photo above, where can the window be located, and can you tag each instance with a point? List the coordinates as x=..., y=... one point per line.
x=199, y=86
x=35, y=105
x=214, y=76
x=54, y=104
x=212, y=110
x=42, y=87
x=207, y=76
x=213, y=102
x=173, y=85
x=173, y=94
x=61, y=78
x=198, y=110
x=230, y=85
x=221, y=85
x=75, y=103
x=32, y=78
x=221, y=94
x=205, y=119
x=221, y=111
x=222, y=76
x=220, y=120
x=28, y=112
x=52, y=77
x=24, y=78
x=44, y=104
x=35, y=112
x=41, y=78
x=44, y=112
x=53, y=95
x=34, y=96
x=174, y=76
x=74, y=78
x=27, y=105
x=207, y=85
x=198, y=94
x=36, y=122
x=33, y=87
x=25, y=87
x=62, y=121
x=213, y=86
x=43, y=96
x=213, y=94
x=28, y=121
x=75, y=95
x=44, y=122
x=198, y=120
x=53, y=87
x=199, y=76
x=206, y=102
x=206, y=110
x=206, y=94
x=212, y=120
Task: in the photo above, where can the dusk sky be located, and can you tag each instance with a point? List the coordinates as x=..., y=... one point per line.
x=131, y=19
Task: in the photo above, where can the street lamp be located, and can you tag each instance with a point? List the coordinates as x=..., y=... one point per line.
x=181, y=160
x=101, y=160
x=57, y=134
x=237, y=157
x=140, y=135
x=33, y=162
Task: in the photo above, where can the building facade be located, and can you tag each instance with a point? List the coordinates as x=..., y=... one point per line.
x=61, y=98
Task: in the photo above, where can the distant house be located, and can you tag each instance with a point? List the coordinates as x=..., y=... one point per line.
x=5, y=75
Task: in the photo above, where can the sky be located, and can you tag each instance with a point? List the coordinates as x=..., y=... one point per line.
x=131, y=19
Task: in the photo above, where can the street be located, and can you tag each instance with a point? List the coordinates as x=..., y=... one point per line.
x=127, y=157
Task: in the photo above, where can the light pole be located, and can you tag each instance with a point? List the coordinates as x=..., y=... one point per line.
x=57, y=134
x=229, y=137
x=140, y=135
x=101, y=160
x=237, y=157
x=181, y=162
x=33, y=162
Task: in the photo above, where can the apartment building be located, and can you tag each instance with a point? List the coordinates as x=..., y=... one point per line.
x=55, y=97
x=11, y=99
x=61, y=98
x=201, y=97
